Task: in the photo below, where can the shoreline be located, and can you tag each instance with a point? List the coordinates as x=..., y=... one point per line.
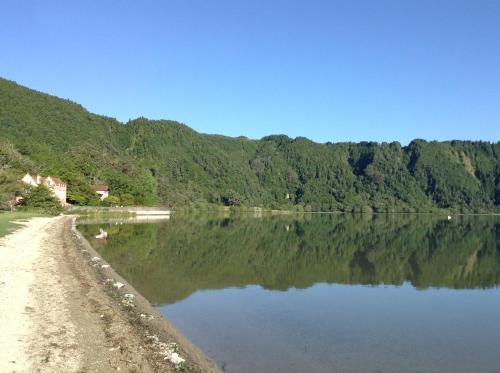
x=63, y=308
x=96, y=211
x=157, y=325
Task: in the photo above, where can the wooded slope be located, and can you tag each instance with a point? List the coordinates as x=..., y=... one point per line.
x=165, y=162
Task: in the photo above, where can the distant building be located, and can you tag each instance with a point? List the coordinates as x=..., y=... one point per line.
x=55, y=185
x=102, y=191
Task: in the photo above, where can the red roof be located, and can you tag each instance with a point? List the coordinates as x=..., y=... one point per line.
x=43, y=180
x=57, y=180
x=101, y=188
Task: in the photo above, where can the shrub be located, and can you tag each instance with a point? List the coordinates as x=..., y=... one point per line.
x=112, y=200
x=41, y=198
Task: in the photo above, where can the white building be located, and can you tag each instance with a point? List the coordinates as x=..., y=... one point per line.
x=102, y=191
x=55, y=185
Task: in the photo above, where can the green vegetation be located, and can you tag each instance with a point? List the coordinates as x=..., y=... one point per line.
x=12, y=164
x=169, y=261
x=148, y=162
x=41, y=199
x=8, y=220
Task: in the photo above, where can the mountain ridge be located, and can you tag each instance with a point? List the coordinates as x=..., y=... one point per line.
x=166, y=162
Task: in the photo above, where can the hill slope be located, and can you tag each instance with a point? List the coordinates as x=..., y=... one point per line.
x=164, y=162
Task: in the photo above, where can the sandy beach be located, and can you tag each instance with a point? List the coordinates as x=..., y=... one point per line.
x=62, y=308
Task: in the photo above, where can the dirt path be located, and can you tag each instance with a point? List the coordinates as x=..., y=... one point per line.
x=63, y=309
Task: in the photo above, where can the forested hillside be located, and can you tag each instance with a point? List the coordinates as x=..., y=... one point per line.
x=163, y=162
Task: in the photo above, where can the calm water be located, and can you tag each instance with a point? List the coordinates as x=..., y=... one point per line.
x=321, y=293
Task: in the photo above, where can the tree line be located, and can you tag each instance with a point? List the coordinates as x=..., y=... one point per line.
x=161, y=162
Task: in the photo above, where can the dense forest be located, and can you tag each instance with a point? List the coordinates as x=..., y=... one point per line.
x=168, y=262
x=161, y=162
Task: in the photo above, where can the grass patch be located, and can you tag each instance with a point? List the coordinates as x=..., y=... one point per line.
x=8, y=220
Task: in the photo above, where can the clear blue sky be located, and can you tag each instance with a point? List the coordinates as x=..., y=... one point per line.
x=329, y=70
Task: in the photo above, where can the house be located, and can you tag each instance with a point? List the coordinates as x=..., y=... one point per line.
x=102, y=191
x=55, y=185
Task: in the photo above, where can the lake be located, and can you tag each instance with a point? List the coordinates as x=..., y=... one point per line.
x=320, y=293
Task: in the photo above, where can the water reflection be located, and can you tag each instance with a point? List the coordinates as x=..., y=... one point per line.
x=168, y=261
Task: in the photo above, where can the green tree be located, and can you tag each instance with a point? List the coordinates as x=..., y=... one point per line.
x=112, y=201
x=10, y=188
x=127, y=199
x=165, y=162
x=41, y=198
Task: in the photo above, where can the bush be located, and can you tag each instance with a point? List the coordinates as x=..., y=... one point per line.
x=41, y=198
x=77, y=198
x=112, y=201
x=127, y=199
x=93, y=202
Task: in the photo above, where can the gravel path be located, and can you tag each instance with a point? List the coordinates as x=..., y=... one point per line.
x=58, y=314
